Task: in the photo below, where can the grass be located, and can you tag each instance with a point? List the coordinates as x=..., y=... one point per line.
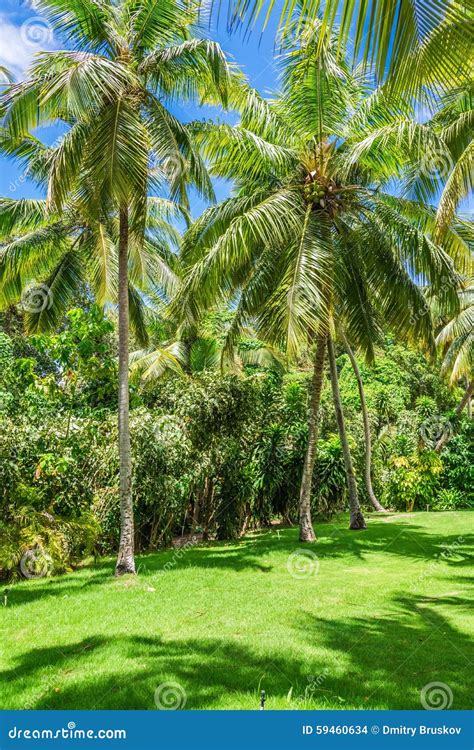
x=383, y=616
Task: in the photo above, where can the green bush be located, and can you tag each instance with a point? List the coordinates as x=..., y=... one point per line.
x=446, y=499
x=222, y=453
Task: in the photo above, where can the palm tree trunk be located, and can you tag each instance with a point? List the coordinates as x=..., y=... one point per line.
x=125, y=561
x=306, y=527
x=465, y=401
x=367, y=435
x=469, y=399
x=357, y=520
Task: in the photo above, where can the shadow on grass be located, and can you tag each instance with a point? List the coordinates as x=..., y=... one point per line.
x=406, y=539
x=378, y=662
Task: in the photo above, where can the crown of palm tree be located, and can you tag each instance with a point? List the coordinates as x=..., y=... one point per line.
x=456, y=337
x=110, y=91
x=311, y=219
x=411, y=43
x=63, y=251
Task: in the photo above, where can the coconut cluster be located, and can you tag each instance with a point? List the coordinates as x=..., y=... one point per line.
x=319, y=193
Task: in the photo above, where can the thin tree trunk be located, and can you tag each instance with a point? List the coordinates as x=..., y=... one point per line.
x=125, y=561
x=306, y=527
x=469, y=400
x=367, y=435
x=466, y=400
x=357, y=519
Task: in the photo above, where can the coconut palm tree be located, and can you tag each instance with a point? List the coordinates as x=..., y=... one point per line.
x=444, y=174
x=455, y=340
x=290, y=246
x=366, y=422
x=412, y=43
x=122, y=142
x=47, y=257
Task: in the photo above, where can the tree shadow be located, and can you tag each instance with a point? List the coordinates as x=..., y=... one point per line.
x=374, y=662
x=335, y=540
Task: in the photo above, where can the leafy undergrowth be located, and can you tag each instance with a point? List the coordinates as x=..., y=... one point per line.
x=369, y=622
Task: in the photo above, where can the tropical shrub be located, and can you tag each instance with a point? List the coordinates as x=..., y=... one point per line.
x=412, y=481
x=211, y=452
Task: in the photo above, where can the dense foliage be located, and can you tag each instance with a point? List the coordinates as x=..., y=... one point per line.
x=339, y=231
x=212, y=453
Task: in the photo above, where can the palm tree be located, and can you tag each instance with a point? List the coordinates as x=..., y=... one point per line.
x=357, y=520
x=366, y=422
x=121, y=143
x=198, y=349
x=289, y=247
x=413, y=43
x=455, y=340
x=47, y=257
x=445, y=173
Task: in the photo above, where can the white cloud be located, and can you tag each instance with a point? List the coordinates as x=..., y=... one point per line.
x=20, y=42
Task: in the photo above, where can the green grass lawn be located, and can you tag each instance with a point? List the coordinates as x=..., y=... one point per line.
x=378, y=617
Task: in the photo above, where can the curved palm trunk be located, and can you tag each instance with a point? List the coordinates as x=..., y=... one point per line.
x=367, y=435
x=125, y=561
x=357, y=520
x=465, y=401
x=306, y=527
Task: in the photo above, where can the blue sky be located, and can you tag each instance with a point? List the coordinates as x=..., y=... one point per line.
x=23, y=34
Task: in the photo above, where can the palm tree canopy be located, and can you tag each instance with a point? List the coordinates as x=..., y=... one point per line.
x=411, y=43
x=130, y=58
x=311, y=224
x=122, y=146
x=456, y=337
x=55, y=255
